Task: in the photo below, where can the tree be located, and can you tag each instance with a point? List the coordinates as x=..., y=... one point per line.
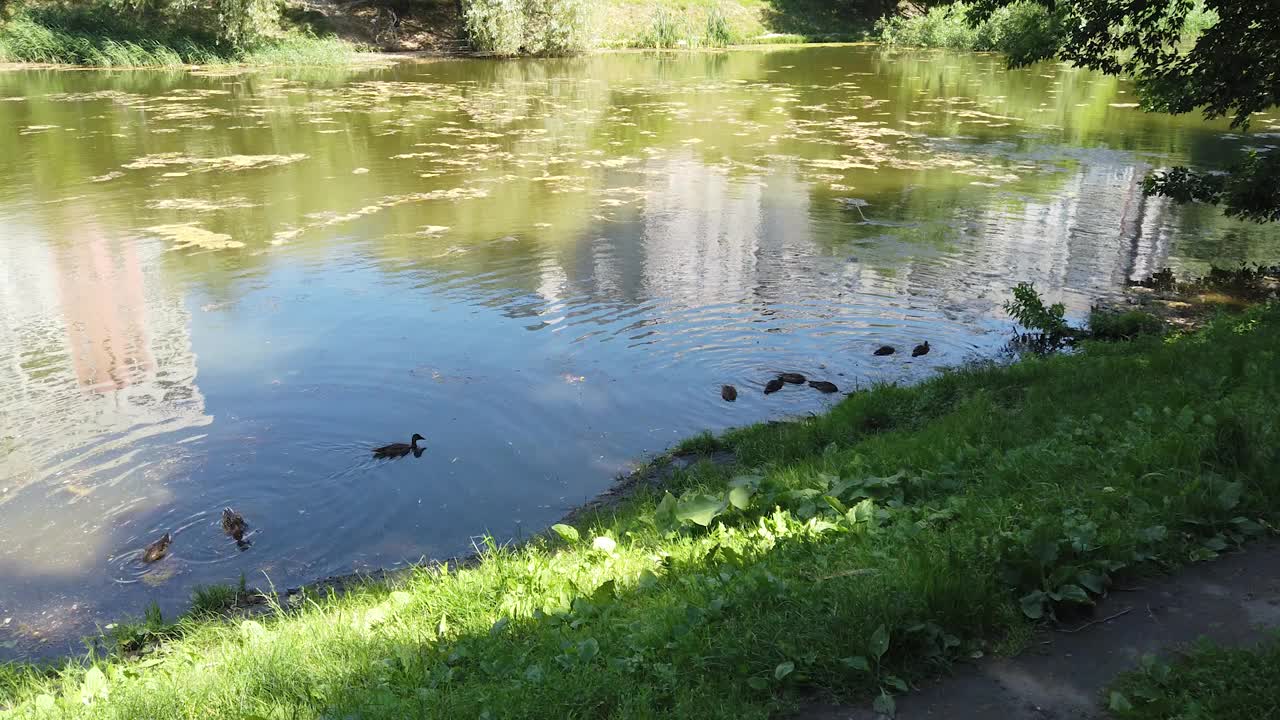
x=1231, y=70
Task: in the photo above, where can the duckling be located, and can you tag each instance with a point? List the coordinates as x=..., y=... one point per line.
x=823, y=386
x=773, y=386
x=792, y=378
x=885, y=350
x=233, y=525
x=157, y=549
x=729, y=393
x=921, y=349
x=399, y=450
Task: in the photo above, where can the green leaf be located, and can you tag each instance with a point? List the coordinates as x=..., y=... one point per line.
x=864, y=511
x=879, y=643
x=400, y=597
x=758, y=683
x=533, y=674
x=783, y=670
x=647, y=580
x=1215, y=543
x=885, y=705
x=604, y=544
x=836, y=504
x=94, y=686
x=1092, y=582
x=604, y=594
x=699, y=509
x=1033, y=604
x=896, y=683
x=1119, y=703
x=1229, y=497
x=1074, y=593
x=740, y=497
x=665, y=514
x=45, y=702
x=567, y=532
x=857, y=662
x=747, y=481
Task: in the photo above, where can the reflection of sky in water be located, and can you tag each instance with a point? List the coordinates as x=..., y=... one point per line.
x=547, y=268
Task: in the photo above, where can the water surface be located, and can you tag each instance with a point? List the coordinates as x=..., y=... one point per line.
x=224, y=288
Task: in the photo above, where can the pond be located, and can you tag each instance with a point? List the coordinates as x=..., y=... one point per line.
x=223, y=288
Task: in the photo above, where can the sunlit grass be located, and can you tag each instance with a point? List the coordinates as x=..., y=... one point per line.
x=852, y=553
x=75, y=39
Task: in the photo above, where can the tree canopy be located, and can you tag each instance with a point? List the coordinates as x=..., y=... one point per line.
x=1232, y=69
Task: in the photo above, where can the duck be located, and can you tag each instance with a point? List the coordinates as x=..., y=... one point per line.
x=885, y=350
x=157, y=550
x=792, y=378
x=773, y=386
x=921, y=349
x=823, y=386
x=729, y=393
x=233, y=525
x=399, y=450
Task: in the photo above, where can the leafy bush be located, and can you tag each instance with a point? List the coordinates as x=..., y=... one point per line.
x=1029, y=310
x=664, y=30
x=532, y=27
x=556, y=27
x=495, y=26
x=1024, y=30
x=718, y=33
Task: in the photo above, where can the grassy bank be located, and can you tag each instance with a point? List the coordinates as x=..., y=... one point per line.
x=853, y=553
x=93, y=35
x=1207, y=682
x=551, y=27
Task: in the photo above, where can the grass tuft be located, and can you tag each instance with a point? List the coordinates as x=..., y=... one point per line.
x=1208, y=682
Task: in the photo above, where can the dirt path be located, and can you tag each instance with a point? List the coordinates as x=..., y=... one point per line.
x=1063, y=675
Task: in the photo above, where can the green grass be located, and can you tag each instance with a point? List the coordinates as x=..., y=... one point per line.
x=1206, y=683
x=851, y=553
x=1110, y=325
x=93, y=37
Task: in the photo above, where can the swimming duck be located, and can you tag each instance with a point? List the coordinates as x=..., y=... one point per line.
x=398, y=450
x=773, y=386
x=792, y=378
x=233, y=524
x=157, y=549
x=921, y=349
x=729, y=393
x=885, y=350
x=823, y=386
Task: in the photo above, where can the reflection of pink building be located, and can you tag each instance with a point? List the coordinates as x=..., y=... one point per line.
x=95, y=350
x=104, y=307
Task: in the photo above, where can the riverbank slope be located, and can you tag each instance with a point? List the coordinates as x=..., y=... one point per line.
x=326, y=32
x=849, y=554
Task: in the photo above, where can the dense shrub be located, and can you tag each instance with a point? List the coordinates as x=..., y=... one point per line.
x=1022, y=30
x=237, y=23
x=532, y=27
